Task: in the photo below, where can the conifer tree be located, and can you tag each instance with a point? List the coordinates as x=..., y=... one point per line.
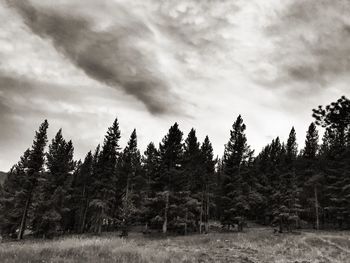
x=218, y=189
x=207, y=180
x=20, y=185
x=289, y=187
x=171, y=154
x=83, y=191
x=33, y=171
x=192, y=164
x=311, y=143
x=131, y=182
x=150, y=162
x=310, y=177
x=151, y=173
x=12, y=197
x=52, y=211
x=275, y=154
x=261, y=170
x=291, y=147
x=191, y=199
x=336, y=119
x=105, y=183
x=236, y=159
x=335, y=116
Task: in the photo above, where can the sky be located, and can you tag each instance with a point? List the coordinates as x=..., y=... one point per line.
x=150, y=63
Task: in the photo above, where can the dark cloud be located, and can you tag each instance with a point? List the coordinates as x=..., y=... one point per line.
x=110, y=56
x=12, y=128
x=17, y=101
x=25, y=103
x=312, y=41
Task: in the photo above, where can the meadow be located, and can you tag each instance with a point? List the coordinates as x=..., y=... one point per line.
x=253, y=245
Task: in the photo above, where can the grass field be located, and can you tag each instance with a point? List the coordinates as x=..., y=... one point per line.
x=254, y=245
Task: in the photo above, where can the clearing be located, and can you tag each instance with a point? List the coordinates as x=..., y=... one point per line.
x=253, y=245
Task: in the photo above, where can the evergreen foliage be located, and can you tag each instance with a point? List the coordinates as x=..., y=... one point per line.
x=21, y=184
x=180, y=186
x=236, y=162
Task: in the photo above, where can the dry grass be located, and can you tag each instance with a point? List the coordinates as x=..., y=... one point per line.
x=255, y=245
x=75, y=249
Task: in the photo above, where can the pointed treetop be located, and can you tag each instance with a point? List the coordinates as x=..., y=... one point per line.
x=237, y=150
x=132, y=143
x=37, y=151
x=207, y=149
x=113, y=135
x=191, y=143
x=311, y=142
x=292, y=147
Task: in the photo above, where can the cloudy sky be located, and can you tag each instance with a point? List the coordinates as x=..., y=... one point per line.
x=81, y=63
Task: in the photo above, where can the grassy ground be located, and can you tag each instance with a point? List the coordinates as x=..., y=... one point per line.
x=254, y=245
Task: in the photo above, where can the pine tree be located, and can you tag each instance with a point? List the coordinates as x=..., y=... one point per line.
x=192, y=192
x=52, y=212
x=105, y=183
x=290, y=203
x=151, y=173
x=33, y=171
x=336, y=119
x=13, y=198
x=311, y=143
x=268, y=168
x=131, y=182
x=261, y=170
x=150, y=166
x=237, y=158
x=291, y=147
x=171, y=154
x=130, y=163
x=207, y=180
x=331, y=175
x=310, y=178
x=335, y=116
x=92, y=212
x=83, y=191
x=192, y=164
x=20, y=185
x=218, y=189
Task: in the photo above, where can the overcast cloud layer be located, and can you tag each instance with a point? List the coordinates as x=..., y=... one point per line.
x=81, y=63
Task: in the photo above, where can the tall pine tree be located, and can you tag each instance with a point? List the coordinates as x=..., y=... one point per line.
x=237, y=158
x=171, y=154
x=208, y=182
x=105, y=180
x=131, y=182
x=53, y=197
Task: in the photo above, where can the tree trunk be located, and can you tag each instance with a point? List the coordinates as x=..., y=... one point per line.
x=99, y=229
x=165, y=224
x=201, y=214
x=127, y=189
x=186, y=217
x=82, y=226
x=100, y=222
x=207, y=214
x=24, y=217
x=82, y=212
x=280, y=224
x=316, y=209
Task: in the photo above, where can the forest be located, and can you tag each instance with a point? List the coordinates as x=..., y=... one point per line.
x=179, y=186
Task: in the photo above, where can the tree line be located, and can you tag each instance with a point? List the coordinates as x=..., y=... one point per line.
x=179, y=186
